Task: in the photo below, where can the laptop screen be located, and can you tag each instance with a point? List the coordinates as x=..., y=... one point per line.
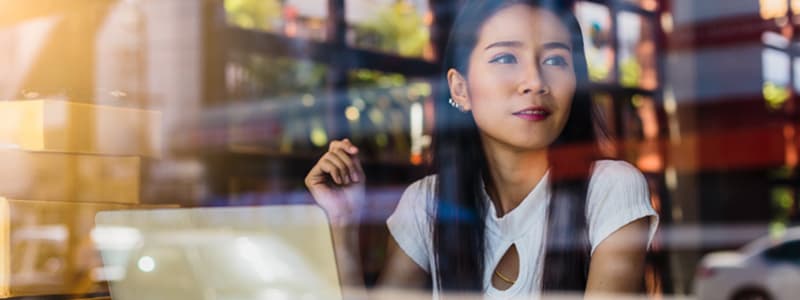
x=269, y=252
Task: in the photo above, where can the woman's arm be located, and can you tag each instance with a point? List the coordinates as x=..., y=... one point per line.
x=337, y=184
x=617, y=265
x=400, y=272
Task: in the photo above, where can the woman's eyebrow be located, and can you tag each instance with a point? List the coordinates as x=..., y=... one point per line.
x=518, y=44
x=556, y=45
x=514, y=44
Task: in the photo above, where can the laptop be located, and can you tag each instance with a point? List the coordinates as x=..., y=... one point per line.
x=247, y=253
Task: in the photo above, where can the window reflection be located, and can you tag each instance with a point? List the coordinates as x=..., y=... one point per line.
x=770, y=9
x=637, y=51
x=595, y=22
x=650, y=158
x=395, y=27
x=293, y=18
x=282, y=104
x=796, y=73
x=775, y=70
x=250, y=76
x=783, y=200
x=645, y=4
x=714, y=129
x=605, y=104
x=388, y=113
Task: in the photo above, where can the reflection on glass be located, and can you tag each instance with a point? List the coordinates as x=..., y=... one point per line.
x=251, y=76
x=293, y=18
x=387, y=113
x=595, y=20
x=281, y=109
x=646, y=109
x=775, y=69
x=121, y=57
x=640, y=132
x=783, y=199
x=637, y=65
x=649, y=158
x=396, y=27
x=605, y=104
x=47, y=247
x=770, y=9
x=796, y=71
x=632, y=126
x=650, y=5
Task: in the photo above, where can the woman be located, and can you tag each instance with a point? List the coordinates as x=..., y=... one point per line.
x=509, y=212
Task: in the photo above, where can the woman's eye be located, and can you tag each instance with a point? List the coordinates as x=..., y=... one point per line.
x=504, y=59
x=556, y=61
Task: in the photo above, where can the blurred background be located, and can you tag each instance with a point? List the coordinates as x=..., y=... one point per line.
x=165, y=103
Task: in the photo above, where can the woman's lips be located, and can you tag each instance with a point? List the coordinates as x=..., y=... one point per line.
x=533, y=114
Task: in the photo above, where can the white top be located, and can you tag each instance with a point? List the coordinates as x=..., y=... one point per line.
x=617, y=195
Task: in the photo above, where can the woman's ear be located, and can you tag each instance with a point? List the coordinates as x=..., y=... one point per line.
x=458, y=89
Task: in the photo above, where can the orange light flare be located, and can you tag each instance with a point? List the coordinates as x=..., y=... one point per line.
x=789, y=136
x=416, y=159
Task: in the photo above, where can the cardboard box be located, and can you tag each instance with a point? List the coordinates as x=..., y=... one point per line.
x=53, y=176
x=54, y=125
x=46, y=247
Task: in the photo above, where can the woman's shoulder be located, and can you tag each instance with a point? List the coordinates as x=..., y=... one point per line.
x=618, y=195
x=424, y=185
x=418, y=196
x=607, y=170
x=615, y=175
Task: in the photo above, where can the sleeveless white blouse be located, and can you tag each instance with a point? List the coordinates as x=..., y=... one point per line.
x=617, y=195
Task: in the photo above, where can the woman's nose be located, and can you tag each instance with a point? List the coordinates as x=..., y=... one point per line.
x=533, y=82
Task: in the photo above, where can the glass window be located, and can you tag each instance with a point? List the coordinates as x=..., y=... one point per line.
x=650, y=5
x=770, y=9
x=395, y=27
x=251, y=75
x=281, y=106
x=637, y=51
x=146, y=104
x=293, y=18
x=387, y=112
x=775, y=70
x=595, y=20
x=649, y=156
x=796, y=73
x=605, y=104
x=286, y=126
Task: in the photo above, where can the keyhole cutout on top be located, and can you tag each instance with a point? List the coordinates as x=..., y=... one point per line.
x=508, y=267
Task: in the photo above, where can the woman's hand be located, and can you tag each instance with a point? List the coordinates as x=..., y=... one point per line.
x=337, y=183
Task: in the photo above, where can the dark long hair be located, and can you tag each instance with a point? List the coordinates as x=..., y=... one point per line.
x=459, y=228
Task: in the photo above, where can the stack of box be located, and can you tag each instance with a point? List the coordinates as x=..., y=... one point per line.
x=60, y=163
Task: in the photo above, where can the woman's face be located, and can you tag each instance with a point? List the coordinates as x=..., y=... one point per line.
x=521, y=80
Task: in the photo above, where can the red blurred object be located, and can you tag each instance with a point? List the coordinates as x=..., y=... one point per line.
x=290, y=13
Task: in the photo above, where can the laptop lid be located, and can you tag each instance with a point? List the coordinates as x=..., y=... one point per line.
x=267, y=252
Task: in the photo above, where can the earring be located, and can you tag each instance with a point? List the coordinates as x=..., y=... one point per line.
x=455, y=104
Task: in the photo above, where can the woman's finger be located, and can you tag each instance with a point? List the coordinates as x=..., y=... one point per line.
x=349, y=161
x=341, y=167
x=359, y=168
x=335, y=144
x=353, y=151
x=345, y=145
x=348, y=147
x=329, y=168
